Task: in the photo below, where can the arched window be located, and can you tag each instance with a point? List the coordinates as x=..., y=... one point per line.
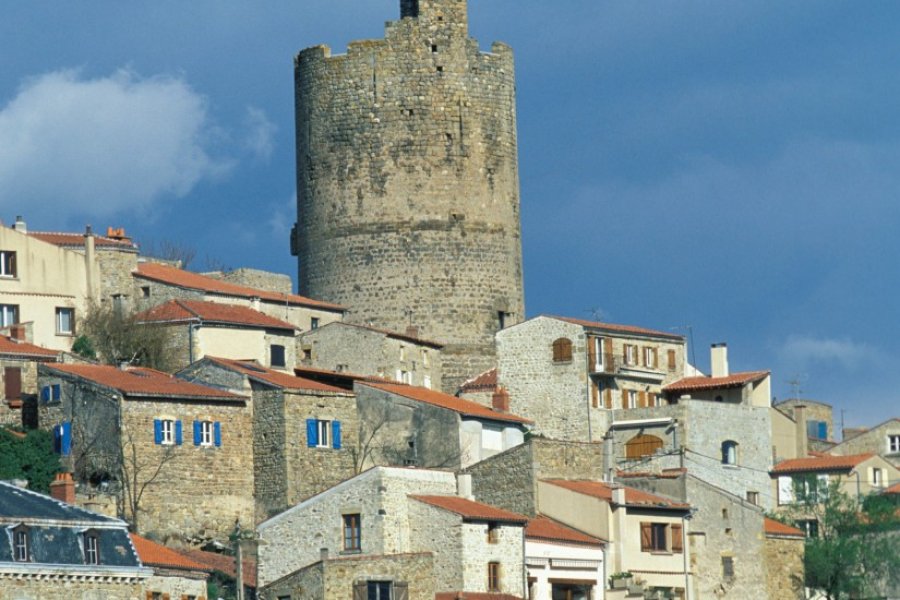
x=729, y=452
x=642, y=445
x=562, y=350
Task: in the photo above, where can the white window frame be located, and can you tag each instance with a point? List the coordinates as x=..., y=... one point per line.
x=323, y=430
x=426, y=381
x=4, y=254
x=632, y=399
x=207, y=433
x=91, y=549
x=9, y=314
x=20, y=545
x=649, y=357
x=877, y=477
x=630, y=354
x=598, y=354
x=893, y=443
x=167, y=431
x=60, y=311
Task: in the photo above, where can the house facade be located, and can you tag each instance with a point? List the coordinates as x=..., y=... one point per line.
x=174, y=575
x=18, y=370
x=883, y=439
x=562, y=562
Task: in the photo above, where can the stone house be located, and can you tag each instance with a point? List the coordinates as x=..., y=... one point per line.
x=174, y=575
x=784, y=547
x=304, y=432
x=481, y=388
x=182, y=446
x=51, y=550
x=883, y=439
x=567, y=374
x=562, y=562
x=18, y=370
x=197, y=329
x=646, y=533
x=226, y=565
x=158, y=283
x=408, y=425
x=818, y=418
x=402, y=357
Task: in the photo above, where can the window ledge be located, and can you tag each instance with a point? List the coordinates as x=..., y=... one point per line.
x=350, y=552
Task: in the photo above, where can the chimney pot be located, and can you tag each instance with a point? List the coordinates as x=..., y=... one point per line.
x=500, y=400
x=63, y=488
x=20, y=225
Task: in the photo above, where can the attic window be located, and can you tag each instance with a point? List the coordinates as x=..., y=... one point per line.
x=91, y=548
x=21, y=550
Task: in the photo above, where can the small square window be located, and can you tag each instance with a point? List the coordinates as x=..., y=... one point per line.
x=277, y=355
x=65, y=321
x=314, y=323
x=145, y=291
x=7, y=263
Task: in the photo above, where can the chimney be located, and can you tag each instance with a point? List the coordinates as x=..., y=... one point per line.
x=801, y=434
x=20, y=225
x=464, y=486
x=500, y=400
x=63, y=488
x=618, y=496
x=323, y=554
x=90, y=262
x=718, y=355
x=412, y=331
x=17, y=332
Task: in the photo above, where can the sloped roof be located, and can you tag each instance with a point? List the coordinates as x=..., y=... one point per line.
x=545, y=528
x=76, y=240
x=894, y=489
x=484, y=382
x=442, y=400
x=224, y=564
x=11, y=347
x=773, y=527
x=633, y=497
x=138, y=381
x=254, y=370
x=157, y=555
x=626, y=329
x=690, y=384
x=186, y=311
x=19, y=503
x=472, y=510
x=821, y=463
x=387, y=332
x=194, y=281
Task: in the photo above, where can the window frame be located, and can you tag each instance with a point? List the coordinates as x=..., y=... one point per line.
x=730, y=453
x=659, y=537
x=323, y=432
x=493, y=576
x=378, y=588
x=91, y=548
x=893, y=443
x=207, y=434
x=650, y=357
x=630, y=355
x=563, y=350
x=60, y=311
x=8, y=264
x=632, y=399
x=21, y=544
x=9, y=310
x=351, y=525
x=167, y=432
x=277, y=351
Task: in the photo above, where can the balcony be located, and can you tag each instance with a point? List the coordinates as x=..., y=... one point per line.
x=615, y=366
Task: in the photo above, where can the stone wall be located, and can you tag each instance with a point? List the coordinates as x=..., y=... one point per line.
x=813, y=411
x=176, y=584
x=11, y=409
x=79, y=587
x=439, y=532
x=407, y=178
x=784, y=567
x=874, y=440
x=333, y=579
x=261, y=280
x=115, y=267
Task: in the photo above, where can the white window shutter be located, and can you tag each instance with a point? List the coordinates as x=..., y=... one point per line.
x=785, y=490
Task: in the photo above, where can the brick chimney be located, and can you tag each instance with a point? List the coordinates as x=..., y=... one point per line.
x=63, y=488
x=17, y=332
x=500, y=400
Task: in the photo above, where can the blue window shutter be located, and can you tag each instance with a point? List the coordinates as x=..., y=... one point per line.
x=57, y=438
x=45, y=393
x=56, y=392
x=312, y=433
x=217, y=432
x=823, y=430
x=66, y=446
x=157, y=431
x=336, y=435
x=197, y=433
x=178, y=435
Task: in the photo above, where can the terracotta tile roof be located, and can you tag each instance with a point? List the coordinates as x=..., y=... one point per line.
x=820, y=463
x=435, y=398
x=224, y=564
x=186, y=311
x=391, y=334
x=472, y=510
x=664, y=474
x=76, y=240
x=341, y=379
x=157, y=555
x=633, y=497
x=137, y=381
x=545, y=528
x=11, y=347
x=487, y=381
x=773, y=527
x=713, y=383
x=194, y=281
x=894, y=489
x=474, y=596
x=620, y=328
x=254, y=370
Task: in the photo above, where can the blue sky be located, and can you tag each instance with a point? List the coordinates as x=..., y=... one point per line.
x=732, y=167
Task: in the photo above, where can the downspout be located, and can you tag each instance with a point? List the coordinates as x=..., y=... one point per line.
x=587, y=359
x=684, y=554
x=191, y=328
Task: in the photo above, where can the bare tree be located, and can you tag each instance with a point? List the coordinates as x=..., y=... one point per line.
x=137, y=473
x=117, y=337
x=176, y=252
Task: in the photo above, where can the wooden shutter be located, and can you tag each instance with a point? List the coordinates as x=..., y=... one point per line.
x=624, y=398
x=642, y=399
x=595, y=394
x=592, y=352
x=608, y=355
x=646, y=537
x=676, y=539
x=401, y=590
x=671, y=354
x=312, y=433
x=12, y=381
x=654, y=354
x=608, y=394
x=166, y=597
x=359, y=591
x=149, y=596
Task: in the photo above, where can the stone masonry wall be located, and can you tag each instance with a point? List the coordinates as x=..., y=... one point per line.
x=439, y=532
x=261, y=280
x=75, y=588
x=10, y=410
x=269, y=460
x=784, y=568
x=115, y=268
x=407, y=179
x=508, y=551
x=875, y=440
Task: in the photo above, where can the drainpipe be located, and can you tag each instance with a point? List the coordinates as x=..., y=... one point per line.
x=587, y=405
x=684, y=554
x=191, y=328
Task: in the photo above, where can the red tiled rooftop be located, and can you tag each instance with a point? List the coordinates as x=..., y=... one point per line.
x=484, y=382
x=195, y=281
x=184, y=311
x=11, y=347
x=70, y=240
x=773, y=527
x=633, y=497
x=254, y=370
x=545, y=528
x=435, y=398
x=157, y=555
x=224, y=564
x=474, y=596
x=821, y=463
x=664, y=474
x=470, y=509
x=894, y=489
x=689, y=384
x=620, y=328
x=138, y=381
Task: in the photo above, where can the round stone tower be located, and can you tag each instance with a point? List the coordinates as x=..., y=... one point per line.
x=407, y=183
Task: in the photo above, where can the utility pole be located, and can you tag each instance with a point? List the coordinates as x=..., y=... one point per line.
x=239, y=560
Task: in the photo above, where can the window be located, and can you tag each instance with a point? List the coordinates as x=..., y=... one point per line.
x=753, y=498
x=632, y=399
x=426, y=361
x=323, y=433
x=167, y=432
x=817, y=430
x=893, y=444
x=809, y=526
x=630, y=354
x=20, y=544
x=596, y=350
x=352, y=542
x=493, y=533
x=51, y=393
x=62, y=438
x=649, y=357
x=145, y=291
x=877, y=477
x=91, y=548
x=493, y=583
x=670, y=354
x=658, y=541
x=642, y=445
x=207, y=433
x=314, y=322
x=728, y=567
x=503, y=318
x=562, y=350
x=661, y=537
x=426, y=381
x=276, y=355
x=7, y=263
x=378, y=590
x=65, y=321
x=402, y=352
x=9, y=315
x=729, y=452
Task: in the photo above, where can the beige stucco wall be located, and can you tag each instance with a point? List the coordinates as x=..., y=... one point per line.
x=849, y=483
x=875, y=440
x=784, y=435
x=242, y=343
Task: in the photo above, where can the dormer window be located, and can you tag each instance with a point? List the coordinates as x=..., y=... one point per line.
x=21, y=547
x=91, y=548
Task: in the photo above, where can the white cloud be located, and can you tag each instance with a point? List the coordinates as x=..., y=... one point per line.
x=806, y=350
x=70, y=144
x=260, y=136
x=282, y=217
